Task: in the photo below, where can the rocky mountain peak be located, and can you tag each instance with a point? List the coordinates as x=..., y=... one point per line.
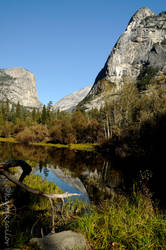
x=142, y=44
x=140, y=14
x=19, y=85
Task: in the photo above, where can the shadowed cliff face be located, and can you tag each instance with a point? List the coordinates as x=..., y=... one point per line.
x=143, y=43
x=19, y=85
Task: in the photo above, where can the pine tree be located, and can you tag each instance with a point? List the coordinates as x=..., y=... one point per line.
x=44, y=115
x=49, y=113
x=34, y=115
x=18, y=111
x=5, y=110
x=12, y=116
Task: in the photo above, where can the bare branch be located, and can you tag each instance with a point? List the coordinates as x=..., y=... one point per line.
x=26, y=170
x=3, y=204
x=16, y=163
x=35, y=191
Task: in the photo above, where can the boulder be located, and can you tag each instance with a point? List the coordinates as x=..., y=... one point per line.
x=65, y=240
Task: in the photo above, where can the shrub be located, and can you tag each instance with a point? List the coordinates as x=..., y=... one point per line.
x=19, y=127
x=146, y=75
x=7, y=129
x=25, y=136
x=40, y=132
x=56, y=133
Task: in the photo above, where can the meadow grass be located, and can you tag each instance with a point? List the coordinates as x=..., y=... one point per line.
x=36, y=182
x=83, y=146
x=9, y=139
x=123, y=225
x=126, y=223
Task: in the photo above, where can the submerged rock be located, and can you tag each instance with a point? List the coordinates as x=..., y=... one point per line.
x=65, y=240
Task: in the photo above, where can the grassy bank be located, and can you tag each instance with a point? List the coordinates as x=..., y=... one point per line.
x=84, y=147
x=124, y=225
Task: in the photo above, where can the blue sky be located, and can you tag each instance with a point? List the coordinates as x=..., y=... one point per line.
x=64, y=43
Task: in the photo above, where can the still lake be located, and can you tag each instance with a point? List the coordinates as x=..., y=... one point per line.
x=94, y=175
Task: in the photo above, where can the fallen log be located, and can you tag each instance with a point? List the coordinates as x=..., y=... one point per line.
x=36, y=191
x=17, y=163
x=26, y=171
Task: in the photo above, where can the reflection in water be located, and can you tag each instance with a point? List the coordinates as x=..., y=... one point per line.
x=94, y=171
x=64, y=185
x=94, y=175
x=103, y=176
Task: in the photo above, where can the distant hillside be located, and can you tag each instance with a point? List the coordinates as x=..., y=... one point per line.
x=69, y=102
x=19, y=85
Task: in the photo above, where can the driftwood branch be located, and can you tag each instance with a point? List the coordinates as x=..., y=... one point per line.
x=16, y=163
x=26, y=171
x=35, y=191
x=53, y=216
x=4, y=204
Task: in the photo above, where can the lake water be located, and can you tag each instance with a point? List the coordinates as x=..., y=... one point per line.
x=94, y=176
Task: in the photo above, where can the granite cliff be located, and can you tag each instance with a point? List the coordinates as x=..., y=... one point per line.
x=19, y=85
x=143, y=44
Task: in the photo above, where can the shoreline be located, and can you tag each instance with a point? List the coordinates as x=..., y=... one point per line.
x=83, y=147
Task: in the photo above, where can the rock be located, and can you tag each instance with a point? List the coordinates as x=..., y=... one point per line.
x=19, y=85
x=65, y=240
x=69, y=102
x=143, y=43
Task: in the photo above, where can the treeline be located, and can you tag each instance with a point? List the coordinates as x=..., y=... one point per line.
x=48, y=125
x=126, y=111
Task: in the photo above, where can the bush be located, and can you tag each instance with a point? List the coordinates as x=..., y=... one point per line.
x=146, y=75
x=36, y=133
x=7, y=129
x=19, y=127
x=40, y=132
x=25, y=136
x=56, y=133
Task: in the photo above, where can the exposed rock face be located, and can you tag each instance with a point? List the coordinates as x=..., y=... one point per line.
x=69, y=102
x=65, y=240
x=143, y=43
x=19, y=85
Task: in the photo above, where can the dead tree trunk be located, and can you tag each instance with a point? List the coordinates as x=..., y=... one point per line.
x=26, y=171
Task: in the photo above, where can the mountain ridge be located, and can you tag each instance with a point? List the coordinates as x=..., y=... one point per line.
x=69, y=102
x=143, y=43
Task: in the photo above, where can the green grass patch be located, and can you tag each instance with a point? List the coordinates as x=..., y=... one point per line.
x=124, y=225
x=36, y=182
x=9, y=139
x=31, y=210
x=83, y=147
x=45, y=144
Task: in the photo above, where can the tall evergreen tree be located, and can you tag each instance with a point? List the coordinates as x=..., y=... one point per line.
x=34, y=115
x=44, y=115
x=18, y=111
